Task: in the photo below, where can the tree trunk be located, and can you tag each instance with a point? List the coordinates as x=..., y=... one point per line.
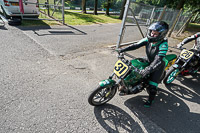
x=180, y=4
x=122, y=9
x=108, y=7
x=95, y=7
x=83, y=6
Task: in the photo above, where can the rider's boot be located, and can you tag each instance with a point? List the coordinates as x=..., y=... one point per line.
x=122, y=91
x=152, y=94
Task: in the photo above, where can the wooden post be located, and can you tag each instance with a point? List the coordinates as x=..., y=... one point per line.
x=48, y=8
x=195, y=17
x=184, y=26
x=137, y=23
x=173, y=25
x=162, y=14
x=63, y=11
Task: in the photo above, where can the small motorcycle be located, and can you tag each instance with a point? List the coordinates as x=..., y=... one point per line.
x=187, y=63
x=127, y=77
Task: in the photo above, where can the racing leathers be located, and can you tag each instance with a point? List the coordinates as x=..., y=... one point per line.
x=156, y=53
x=195, y=37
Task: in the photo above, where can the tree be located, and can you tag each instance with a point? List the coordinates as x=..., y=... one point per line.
x=84, y=6
x=95, y=7
x=180, y=4
x=108, y=7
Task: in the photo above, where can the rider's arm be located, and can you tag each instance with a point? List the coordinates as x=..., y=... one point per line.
x=189, y=39
x=134, y=46
x=163, y=48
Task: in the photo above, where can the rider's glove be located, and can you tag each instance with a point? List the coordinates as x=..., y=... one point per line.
x=143, y=72
x=118, y=50
x=179, y=46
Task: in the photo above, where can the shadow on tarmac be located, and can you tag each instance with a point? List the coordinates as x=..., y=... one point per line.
x=113, y=119
x=64, y=30
x=169, y=112
x=3, y=28
x=192, y=82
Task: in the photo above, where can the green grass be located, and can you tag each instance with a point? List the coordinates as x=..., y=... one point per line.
x=193, y=27
x=73, y=18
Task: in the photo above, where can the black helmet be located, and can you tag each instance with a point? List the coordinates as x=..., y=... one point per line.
x=160, y=26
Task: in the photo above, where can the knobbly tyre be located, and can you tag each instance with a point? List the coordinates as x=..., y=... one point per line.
x=187, y=63
x=126, y=76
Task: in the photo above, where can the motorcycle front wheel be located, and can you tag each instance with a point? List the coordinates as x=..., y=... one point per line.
x=102, y=95
x=171, y=76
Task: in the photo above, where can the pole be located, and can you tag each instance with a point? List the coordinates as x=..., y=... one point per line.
x=181, y=30
x=137, y=24
x=151, y=17
x=123, y=24
x=162, y=14
x=48, y=8
x=173, y=25
x=63, y=11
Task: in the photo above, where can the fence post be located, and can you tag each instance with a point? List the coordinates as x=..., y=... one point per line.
x=63, y=11
x=137, y=23
x=175, y=21
x=151, y=17
x=48, y=12
x=182, y=29
x=162, y=14
x=195, y=17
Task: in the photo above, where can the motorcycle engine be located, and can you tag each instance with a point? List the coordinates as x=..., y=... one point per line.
x=136, y=89
x=194, y=62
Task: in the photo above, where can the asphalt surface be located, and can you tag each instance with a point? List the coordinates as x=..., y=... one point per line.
x=48, y=72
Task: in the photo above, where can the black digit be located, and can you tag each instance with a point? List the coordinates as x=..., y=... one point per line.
x=120, y=65
x=122, y=70
x=188, y=55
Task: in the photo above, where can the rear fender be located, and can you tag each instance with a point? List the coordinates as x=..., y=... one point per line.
x=107, y=83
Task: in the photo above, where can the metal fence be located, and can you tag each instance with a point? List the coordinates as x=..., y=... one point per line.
x=147, y=14
x=52, y=9
x=142, y=16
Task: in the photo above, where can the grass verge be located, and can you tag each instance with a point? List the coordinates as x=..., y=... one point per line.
x=72, y=18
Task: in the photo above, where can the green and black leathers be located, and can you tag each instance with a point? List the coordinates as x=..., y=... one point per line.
x=155, y=52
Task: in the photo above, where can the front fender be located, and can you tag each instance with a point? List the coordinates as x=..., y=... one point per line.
x=107, y=83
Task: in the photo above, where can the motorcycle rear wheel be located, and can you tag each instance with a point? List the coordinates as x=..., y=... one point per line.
x=171, y=76
x=102, y=95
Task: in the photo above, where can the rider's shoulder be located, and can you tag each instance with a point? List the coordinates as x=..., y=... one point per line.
x=197, y=34
x=164, y=45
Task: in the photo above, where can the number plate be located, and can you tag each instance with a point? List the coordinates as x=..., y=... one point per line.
x=120, y=69
x=186, y=54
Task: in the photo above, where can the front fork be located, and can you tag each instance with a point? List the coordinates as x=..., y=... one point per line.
x=110, y=82
x=176, y=66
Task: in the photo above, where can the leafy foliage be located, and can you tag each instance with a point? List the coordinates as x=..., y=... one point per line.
x=185, y=4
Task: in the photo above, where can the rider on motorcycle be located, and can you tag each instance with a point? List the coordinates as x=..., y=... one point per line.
x=195, y=37
x=156, y=48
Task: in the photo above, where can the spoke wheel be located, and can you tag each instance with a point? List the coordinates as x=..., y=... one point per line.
x=171, y=76
x=101, y=95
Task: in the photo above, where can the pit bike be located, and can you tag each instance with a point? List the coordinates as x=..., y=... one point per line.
x=187, y=63
x=127, y=77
